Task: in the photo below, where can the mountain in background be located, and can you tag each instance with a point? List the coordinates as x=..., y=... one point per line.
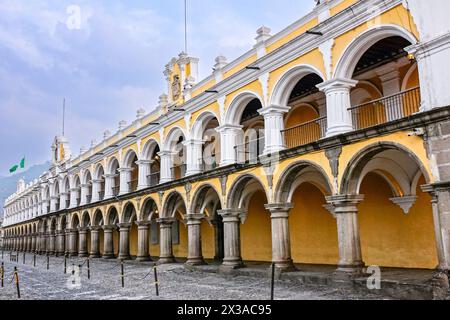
x=8, y=185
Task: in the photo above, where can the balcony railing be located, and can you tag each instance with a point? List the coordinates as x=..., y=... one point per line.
x=88, y=199
x=305, y=133
x=132, y=185
x=250, y=151
x=179, y=171
x=153, y=179
x=209, y=163
x=115, y=191
x=386, y=109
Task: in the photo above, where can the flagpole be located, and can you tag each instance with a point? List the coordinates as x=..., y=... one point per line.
x=185, y=28
x=64, y=116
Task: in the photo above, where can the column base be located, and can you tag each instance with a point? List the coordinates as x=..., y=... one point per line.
x=232, y=264
x=60, y=254
x=95, y=255
x=124, y=257
x=285, y=266
x=144, y=259
x=73, y=254
x=166, y=260
x=350, y=269
x=83, y=255
x=196, y=261
x=108, y=256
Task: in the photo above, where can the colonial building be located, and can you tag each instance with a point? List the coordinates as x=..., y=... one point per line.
x=326, y=143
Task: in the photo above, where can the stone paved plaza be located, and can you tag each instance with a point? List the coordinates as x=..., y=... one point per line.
x=176, y=283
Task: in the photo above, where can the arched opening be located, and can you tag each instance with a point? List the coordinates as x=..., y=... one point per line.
x=111, y=245
x=65, y=195
x=206, y=202
x=380, y=96
x=131, y=170
x=176, y=146
x=253, y=133
x=313, y=231
x=113, y=171
x=85, y=246
x=248, y=197
x=87, y=188
x=97, y=224
x=100, y=181
x=150, y=214
x=306, y=121
x=130, y=247
x=395, y=218
x=56, y=195
x=151, y=154
x=77, y=189
x=74, y=241
x=204, y=132
x=175, y=209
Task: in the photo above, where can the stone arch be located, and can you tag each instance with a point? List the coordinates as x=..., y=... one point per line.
x=360, y=164
x=86, y=220
x=287, y=82
x=99, y=172
x=238, y=105
x=174, y=201
x=202, y=196
x=113, y=165
x=75, y=221
x=173, y=137
x=86, y=177
x=112, y=216
x=149, y=210
x=149, y=149
x=128, y=159
x=296, y=174
x=129, y=213
x=97, y=219
x=200, y=123
x=355, y=50
x=242, y=190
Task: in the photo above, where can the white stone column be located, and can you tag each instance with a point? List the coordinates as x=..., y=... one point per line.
x=125, y=178
x=232, y=239
x=273, y=127
x=194, y=156
x=124, y=241
x=346, y=211
x=433, y=51
x=281, y=238
x=431, y=56
x=195, y=256
x=339, y=118
x=96, y=188
x=229, y=135
x=73, y=198
x=108, y=242
x=95, y=242
x=109, y=185
x=84, y=193
x=166, y=166
x=45, y=205
x=144, y=172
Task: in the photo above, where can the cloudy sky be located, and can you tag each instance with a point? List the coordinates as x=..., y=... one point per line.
x=110, y=66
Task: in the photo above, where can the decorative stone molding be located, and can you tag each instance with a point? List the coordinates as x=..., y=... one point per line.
x=405, y=203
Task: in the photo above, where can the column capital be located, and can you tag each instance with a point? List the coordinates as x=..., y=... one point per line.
x=166, y=221
x=97, y=181
x=125, y=225
x=95, y=228
x=279, y=210
x=144, y=162
x=110, y=176
x=274, y=109
x=109, y=227
x=229, y=128
x=345, y=203
x=120, y=170
x=337, y=84
x=143, y=223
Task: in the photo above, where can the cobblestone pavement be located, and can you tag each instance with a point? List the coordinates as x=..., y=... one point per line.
x=176, y=283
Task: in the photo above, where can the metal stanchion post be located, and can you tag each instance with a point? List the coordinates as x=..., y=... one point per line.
x=122, y=273
x=272, y=286
x=88, y=269
x=155, y=272
x=24, y=257
x=65, y=264
x=16, y=277
x=48, y=262
x=2, y=275
x=34, y=260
